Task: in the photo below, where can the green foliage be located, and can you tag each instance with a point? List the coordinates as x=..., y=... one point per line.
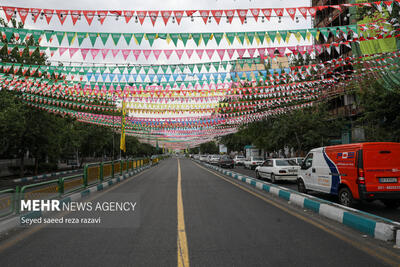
x=209, y=148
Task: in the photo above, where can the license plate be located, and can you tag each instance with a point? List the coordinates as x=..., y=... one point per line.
x=292, y=170
x=388, y=180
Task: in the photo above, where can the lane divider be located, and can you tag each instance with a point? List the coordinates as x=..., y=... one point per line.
x=14, y=222
x=44, y=176
x=182, y=246
x=372, y=225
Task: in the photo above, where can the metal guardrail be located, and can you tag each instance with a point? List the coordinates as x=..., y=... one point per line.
x=93, y=173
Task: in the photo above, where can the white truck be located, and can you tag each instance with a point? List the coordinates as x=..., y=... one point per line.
x=254, y=157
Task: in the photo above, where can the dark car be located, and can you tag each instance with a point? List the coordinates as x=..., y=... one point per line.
x=226, y=161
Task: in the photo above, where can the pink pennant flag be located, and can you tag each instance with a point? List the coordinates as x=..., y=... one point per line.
x=271, y=51
x=165, y=15
x=179, y=53
x=75, y=15
x=89, y=15
x=221, y=53
x=72, y=51
x=189, y=52
x=125, y=53
x=200, y=52
x=146, y=53
x=84, y=52
x=102, y=15
x=251, y=51
x=153, y=16
x=114, y=52
x=104, y=52
x=303, y=11
x=168, y=52
x=23, y=13
x=48, y=13
x=292, y=48
x=136, y=53
x=178, y=16
x=242, y=14
x=157, y=53
x=94, y=52
x=241, y=52
x=128, y=14
x=62, y=50
x=318, y=48
x=301, y=49
x=309, y=49
x=281, y=50
x=210, y=53
x=204, y=14
x=261, y=51
x=230, y=52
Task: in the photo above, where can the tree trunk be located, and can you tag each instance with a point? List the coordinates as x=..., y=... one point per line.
x=21, y=165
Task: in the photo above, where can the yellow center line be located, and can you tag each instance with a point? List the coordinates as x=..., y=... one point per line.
x=182, y=247
x=378, y=252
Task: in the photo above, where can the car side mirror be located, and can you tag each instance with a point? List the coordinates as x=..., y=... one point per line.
x=303, y=166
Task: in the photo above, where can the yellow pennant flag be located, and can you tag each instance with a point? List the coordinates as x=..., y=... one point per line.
x=122, y=143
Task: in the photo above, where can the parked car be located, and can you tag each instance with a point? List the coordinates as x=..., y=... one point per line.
x=196, y=156
x=239, y=160
x=298, y=160
x=364, y=171
x=253, y=162
x=214, y=159
x=226, y=161
x=203, y=158
x=278, y=169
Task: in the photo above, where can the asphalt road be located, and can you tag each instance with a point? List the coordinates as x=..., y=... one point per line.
x=225, y=224
x=375, y=207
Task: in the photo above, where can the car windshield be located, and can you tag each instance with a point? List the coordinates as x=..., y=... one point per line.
x=258, y=159
x=285, y=162
x=225, y=157
x=239, y=157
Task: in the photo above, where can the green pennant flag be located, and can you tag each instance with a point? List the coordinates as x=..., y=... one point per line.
x=60, y=37
x=240, y=36
x=224, y=64
x=173, y=68
x=111, y=68
x=207, y=66
x=127, y=37
x=199, y=66
x=181, y=67
x=196, y=38
x=343, y=29
x=303, y=33
x=70, y=37
x=9, y=33
x=261, y=36
x=283, y=34
x=193, y=83
x=80, y=36
x=162, y=35
x=22, y=34
x=272, y=35
x=48, y=34
x=107, y=84
x=230, y=36
x=206, y=37
x=150, y=37
x=36, y=34
x=138, y=36
x=116, y=37
x=130, y=70
x=313, y=32
x=250, y=36
x=53, y=49
x=155, y=68
x=218, y=37
x=102, y=69
x=104, y=37
x=191, y=67
x=164, y=68
x=353, y=28
x=216, y=66
x=174, y=37
x=186, y=83
x=92, y=37
x=184, y=37
x=137, y=69
x=241, y=63
x=325, y=32
x=146, y=69
x=121, y=69
x=171, y=83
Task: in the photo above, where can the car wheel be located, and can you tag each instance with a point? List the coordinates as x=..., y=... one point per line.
x=391, y=203
x=258, y=175
x=345, y=197
x=301, y=186
x=273, y=178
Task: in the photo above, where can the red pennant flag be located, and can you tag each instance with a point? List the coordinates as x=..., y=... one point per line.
x=312, y=10
x=153, y=16
x=23, y=13
x=337, y=7
x=165, y=15
x=89, y=15
x=278, y=12
x=128, y=14
x=255, y=12
x=75, y=15
x=204, y=14
x=62, y=15
x=321, y=7
x=178, y=16
x=303, y=11
x=102, y=15
x=141, y=16
x=48, y=13
x=242, y=14
x=9, y=12
x=35, y=13
x=190, y=12
x=291, y=12
x=229, y=14
x=267, y=13
x=217, y=14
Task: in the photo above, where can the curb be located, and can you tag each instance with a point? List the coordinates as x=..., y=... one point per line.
x=43, y=176
x=14, y=222
x=372, y=225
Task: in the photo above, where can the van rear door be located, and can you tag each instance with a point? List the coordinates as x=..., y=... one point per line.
x=381, y=163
